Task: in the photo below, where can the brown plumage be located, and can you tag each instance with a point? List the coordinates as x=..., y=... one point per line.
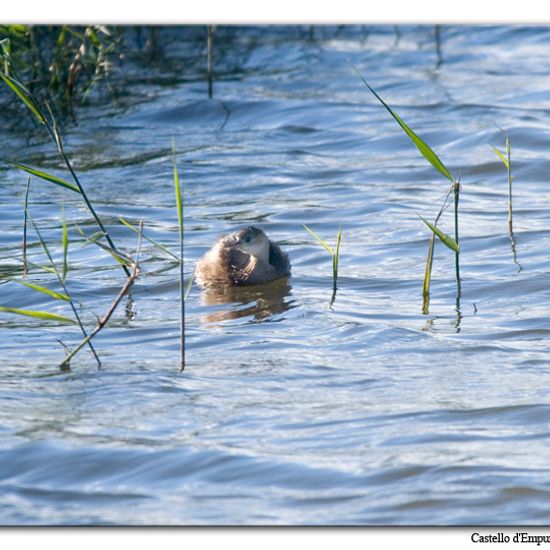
x=246, y=257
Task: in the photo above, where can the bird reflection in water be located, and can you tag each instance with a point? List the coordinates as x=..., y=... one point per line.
x=261, y=301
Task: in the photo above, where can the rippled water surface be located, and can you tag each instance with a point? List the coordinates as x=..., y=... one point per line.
x=289, y=411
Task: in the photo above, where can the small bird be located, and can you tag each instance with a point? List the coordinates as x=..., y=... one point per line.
x=244, y=258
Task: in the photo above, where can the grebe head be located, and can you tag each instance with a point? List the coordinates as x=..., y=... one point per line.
x=253, y=241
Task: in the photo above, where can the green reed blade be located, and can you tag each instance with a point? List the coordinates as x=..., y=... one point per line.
x=179, y=205
x=43, y=268
x=189, y=285
x=24, y=95
x=337, y=254
x=48, y=177
x=428, y=276
x=121, y=259
x=501, y=156
x=5, y=44
x=64, y=244
x=319, y=239
x=38, y=314
x=93, y=238
x=423, y=147
x=444, y=238
x=152, y=241
x=25, y=262
x=44, y=290
x=177, y=189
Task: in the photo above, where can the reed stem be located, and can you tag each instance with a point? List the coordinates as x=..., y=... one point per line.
x=456, y=195
x=509, y=171
x=105, y=319
x=54, y=133
x=65, y=365
x=25, y=263
x=210, y=46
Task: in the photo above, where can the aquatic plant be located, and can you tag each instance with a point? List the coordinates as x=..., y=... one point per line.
x=23, y=93
x=507, y=161
x=210, y=53
x=63, y=63
x=131, y=267
x=335, y=253
x=436, y=162
x=101, y=323
x=179, y=207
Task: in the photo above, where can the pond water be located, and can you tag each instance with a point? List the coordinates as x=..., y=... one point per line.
x=290, y=411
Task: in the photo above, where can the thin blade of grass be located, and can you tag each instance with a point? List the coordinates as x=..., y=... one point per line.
x=64, y=244
x=444, y=238
x=501, y=157
x=24, y=95
x=92, y=239
x=422, y=146
x=152, y=241
x=428, y=276
x=44, y=315
x=25, y=262
x=189, y=285
x=177, y=189
x=179, y=206
x=319, y=239
x=48, y=177
x=43, y=290
x=122, y=260
x=337, y=253
x=43, y=268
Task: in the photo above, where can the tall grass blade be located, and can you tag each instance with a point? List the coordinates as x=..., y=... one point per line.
x=506, y=160
x=456, y=195
x=335, y=261
x=48, y=177
x=428, y=276
x=445, y=239
x=24, y=95
x=423, y=147
x=337, y=254
x=179, y=206
x=25, y=262
x=323, y=243
x=44, y=315
x=43, y=290
x=64, y=244
x=430, y=258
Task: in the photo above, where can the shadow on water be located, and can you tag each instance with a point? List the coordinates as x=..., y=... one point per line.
x=261, y=302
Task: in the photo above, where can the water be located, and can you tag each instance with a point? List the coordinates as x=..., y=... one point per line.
x=290, y=412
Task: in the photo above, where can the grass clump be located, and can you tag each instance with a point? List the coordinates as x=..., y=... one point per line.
x=436, y=162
